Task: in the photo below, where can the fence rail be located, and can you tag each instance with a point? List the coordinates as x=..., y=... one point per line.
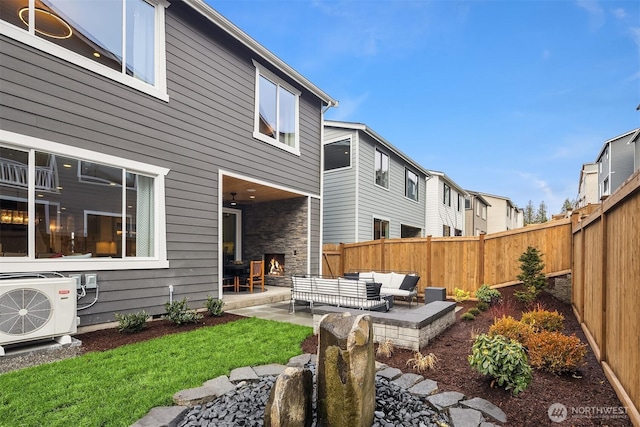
x=606, y=289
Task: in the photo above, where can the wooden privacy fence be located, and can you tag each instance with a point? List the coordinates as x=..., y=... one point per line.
x=456, y=262
x=606, y=289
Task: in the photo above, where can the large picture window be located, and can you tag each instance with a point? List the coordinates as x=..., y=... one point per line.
x=121, y=36
x=337, y=155
x=382, y=169
x=411, y=185
x=74, y=218
x=276, y=118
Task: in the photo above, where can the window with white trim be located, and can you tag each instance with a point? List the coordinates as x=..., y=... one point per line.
x=411, y=185
x=382, y=169
x=120, y=39
x=446, y=196
x=337, y=155
x=380, y=229
x=276, y=118
x=72, y=218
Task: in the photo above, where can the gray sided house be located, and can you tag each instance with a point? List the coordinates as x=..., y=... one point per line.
x=475, y=214
x=153, y=154
x=616, y=162
x=371, y=189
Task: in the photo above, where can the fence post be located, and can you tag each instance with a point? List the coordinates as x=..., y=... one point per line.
x=428, y=260
x=341, y=260
x=603, y=333
x=480, y=260
x=383, y=266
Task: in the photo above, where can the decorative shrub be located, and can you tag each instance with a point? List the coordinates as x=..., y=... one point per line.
x=488, y=295
x=531, y=267
x=502, y=359
x=385, y=348
x=474, y=310
x=512, y=329
x=556, y=352
x=132, y=322
x=482, y=306
x=543, y=320
x=178, y=312
x=421, y=362
x=214, y=306
x=468, y=317
x=460, y=295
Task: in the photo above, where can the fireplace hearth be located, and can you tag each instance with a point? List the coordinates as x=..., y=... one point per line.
x=274, y=265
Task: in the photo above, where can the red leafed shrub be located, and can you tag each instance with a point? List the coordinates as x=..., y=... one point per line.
x=543, y=320
x=511, y=328
x=556, y=352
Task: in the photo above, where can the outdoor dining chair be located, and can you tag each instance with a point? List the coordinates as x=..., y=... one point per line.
x=256, y=276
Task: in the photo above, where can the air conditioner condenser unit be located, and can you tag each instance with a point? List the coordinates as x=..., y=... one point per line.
x=37, y=308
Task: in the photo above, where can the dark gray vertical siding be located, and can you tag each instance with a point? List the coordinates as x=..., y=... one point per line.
x=206, y=125
x=621, y=162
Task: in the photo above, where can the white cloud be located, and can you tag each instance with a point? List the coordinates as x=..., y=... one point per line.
x=595, y=12
x=619, y=13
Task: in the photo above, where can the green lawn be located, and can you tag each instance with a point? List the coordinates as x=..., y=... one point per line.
x=118, y=387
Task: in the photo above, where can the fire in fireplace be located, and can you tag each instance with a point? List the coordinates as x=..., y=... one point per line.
x=274, y=264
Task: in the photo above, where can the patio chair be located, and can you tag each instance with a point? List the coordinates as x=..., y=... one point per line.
x=256, y=276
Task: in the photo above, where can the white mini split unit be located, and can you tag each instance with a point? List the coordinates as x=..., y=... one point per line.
x=37, y=309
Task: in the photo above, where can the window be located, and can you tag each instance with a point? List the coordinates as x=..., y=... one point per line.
x=276, y=116
x=337, y=155
x=446, y=198
x=457, y=232
x=380, y=229
x=73, y=218
x=411, y=185
x=120, y=39
x=459, y=202
x=467, y=203
x=446, y=231
x=382, y=169
x=407, y=231
x=477, y=207
x=605, y=186
x=484, y=211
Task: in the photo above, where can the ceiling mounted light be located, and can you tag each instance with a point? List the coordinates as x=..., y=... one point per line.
x=47, y=23
x=233, y=199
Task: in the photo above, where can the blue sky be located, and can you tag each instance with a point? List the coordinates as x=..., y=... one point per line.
x=505, y=97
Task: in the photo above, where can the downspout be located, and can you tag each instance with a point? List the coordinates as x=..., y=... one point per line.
x=323, y=110
x=426, y=208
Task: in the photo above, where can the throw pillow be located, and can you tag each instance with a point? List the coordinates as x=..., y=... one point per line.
x=409, y=282
x=373, y=291
x=351, y=276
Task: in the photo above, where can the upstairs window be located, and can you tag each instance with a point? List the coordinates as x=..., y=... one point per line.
x=380, y=229
x=276, y=115
x=382, y=169
x=484, y=211
x=411, y=185
x=459, y=202
x=446, y=197
x=467, y=203
x=121, y=39
x=337, y=155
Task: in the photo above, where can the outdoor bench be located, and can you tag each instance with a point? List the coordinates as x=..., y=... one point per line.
x=391, y=283
x=339, y=292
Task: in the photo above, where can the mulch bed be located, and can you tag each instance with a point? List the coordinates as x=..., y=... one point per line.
x=587, y=388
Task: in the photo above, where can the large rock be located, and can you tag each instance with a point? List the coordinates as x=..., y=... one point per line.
x=346, y=371
x=290, y=402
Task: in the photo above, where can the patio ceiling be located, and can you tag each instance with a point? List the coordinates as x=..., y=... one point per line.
x=245, y=189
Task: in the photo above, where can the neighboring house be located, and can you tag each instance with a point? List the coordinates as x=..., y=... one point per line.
x=616, y=162
x=445, y=206
x=588, y=186
x=475, y=216
x=502, y=214
x=152, y=153
x=371, y=189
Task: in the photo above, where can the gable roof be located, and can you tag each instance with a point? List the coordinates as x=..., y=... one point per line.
x=450, y=181
x=630, y=136
x=208, y=12
x=364, y=128
x=478, y=196
x=506, y=199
